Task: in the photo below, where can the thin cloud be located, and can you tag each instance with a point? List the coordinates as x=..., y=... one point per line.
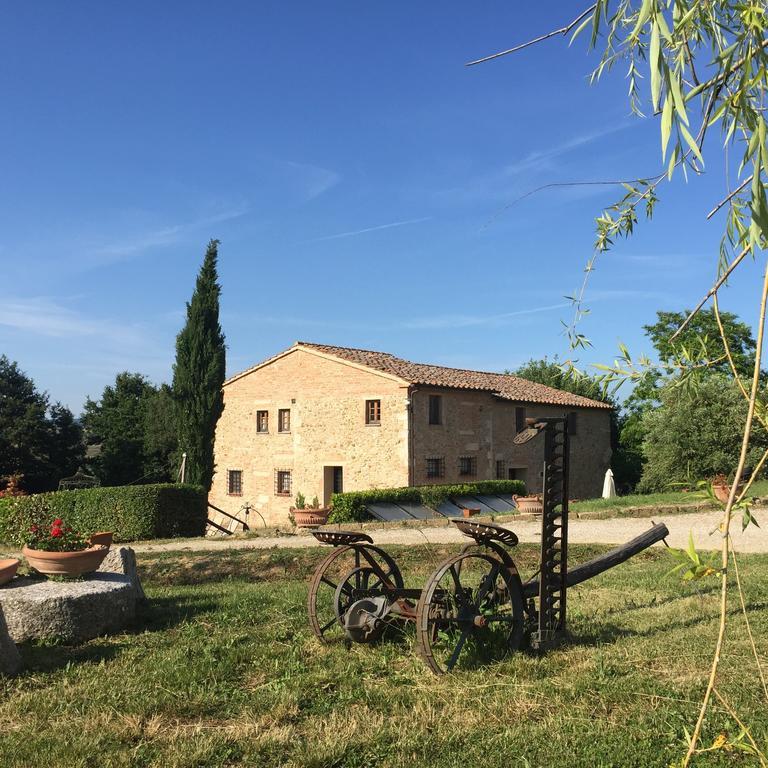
x=312, y=179
x=508, y=180
x=356, y=232
x=538, y=158
x=164, y=237
x=467, y=321
x=44, y=316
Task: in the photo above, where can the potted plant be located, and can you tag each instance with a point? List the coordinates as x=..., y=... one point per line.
x=721, y=487
x=59, y=550
x=8, y=570
x=309, y=516
x=101, y=537
x=531, y=504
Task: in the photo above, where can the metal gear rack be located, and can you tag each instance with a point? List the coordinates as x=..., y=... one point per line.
x=550, y=622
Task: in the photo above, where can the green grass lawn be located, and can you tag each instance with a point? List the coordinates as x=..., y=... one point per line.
x=621, y=503
x=222, y=670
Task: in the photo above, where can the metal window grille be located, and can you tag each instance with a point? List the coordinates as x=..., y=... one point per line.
x=282, y=482
x=373, y=411
x=468, y=466
x=235, y=482
x=284, y=420
x=435, y=409
x=338, y=480
x=501, y=469
x=262, y=421
x=435, y=466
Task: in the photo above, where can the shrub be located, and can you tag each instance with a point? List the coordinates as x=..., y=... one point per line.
x=350, y=507
x=131, y=511
x=696, y=433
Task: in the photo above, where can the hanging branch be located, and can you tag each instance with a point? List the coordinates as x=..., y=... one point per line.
x=711, y=292
x=562, y=31
x=729, y=197
x=726, y=523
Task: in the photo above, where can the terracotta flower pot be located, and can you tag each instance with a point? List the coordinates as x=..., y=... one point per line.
x=723, y=491
x=65, y=563
x=101, y=537
x=530, y=504
x=469, y=511
x=311, y=518
x=8, y=570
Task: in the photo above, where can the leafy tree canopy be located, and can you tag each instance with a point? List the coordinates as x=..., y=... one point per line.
x=700, y=340
x=626, y=461
x=39, y=440
x=696, y=433
x=133, y=426
x=552, y=373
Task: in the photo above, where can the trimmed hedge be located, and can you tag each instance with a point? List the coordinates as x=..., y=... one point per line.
x=350, y=507
x=130, y=511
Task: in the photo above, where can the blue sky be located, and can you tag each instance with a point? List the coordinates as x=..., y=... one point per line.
x=355, y=171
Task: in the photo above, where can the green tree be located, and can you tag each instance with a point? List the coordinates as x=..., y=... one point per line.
x=553, y=374
x=701, y=340
x=40, y=441
x=116, y=423
x=626, y=458
x=198, y=373
x=66, y=444
x=696, y=433
x=160, y=439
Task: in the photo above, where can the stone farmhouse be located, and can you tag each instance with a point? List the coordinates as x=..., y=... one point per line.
x=319, y=419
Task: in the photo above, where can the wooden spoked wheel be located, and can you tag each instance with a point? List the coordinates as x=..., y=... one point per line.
x=339, y=580
x=470, y=613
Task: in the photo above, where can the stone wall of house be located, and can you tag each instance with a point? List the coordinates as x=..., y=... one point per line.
x=327, y=403
x=480, y=426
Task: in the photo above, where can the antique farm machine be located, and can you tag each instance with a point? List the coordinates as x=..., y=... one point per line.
x=474, y=608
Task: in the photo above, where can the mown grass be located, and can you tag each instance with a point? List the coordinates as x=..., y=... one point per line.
x=222, y=670
x=618, y=504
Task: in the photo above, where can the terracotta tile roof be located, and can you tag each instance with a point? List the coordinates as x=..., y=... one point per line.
x=503, y=385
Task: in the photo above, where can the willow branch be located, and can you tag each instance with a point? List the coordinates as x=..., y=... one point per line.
x=729, y=197
x=746, y=622
x=727, y=347
x=711, y=292
x=743, y=493
x=723, y=76
x=562, y=31
x=726, y=523
x=732, y=713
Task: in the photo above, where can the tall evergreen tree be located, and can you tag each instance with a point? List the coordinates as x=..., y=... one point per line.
x=198, y=373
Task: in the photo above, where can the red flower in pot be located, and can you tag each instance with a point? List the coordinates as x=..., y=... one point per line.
x=59, y=550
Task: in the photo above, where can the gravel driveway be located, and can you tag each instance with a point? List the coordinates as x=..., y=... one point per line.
x=612, y=531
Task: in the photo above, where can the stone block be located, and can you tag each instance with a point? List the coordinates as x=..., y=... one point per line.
x=123, y=560
x=10, y=660
x=70, y=611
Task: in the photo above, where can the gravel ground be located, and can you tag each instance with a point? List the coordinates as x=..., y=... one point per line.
x=612, y=531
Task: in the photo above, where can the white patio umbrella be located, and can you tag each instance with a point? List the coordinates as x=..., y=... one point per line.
x=609, y=487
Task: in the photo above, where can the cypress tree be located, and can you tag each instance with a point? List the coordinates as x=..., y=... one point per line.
x=198, y=373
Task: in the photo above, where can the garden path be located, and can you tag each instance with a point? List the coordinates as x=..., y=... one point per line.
x=610, y=531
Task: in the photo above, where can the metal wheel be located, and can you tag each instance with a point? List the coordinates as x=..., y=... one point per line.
x=338, y=579
x=470, y=613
